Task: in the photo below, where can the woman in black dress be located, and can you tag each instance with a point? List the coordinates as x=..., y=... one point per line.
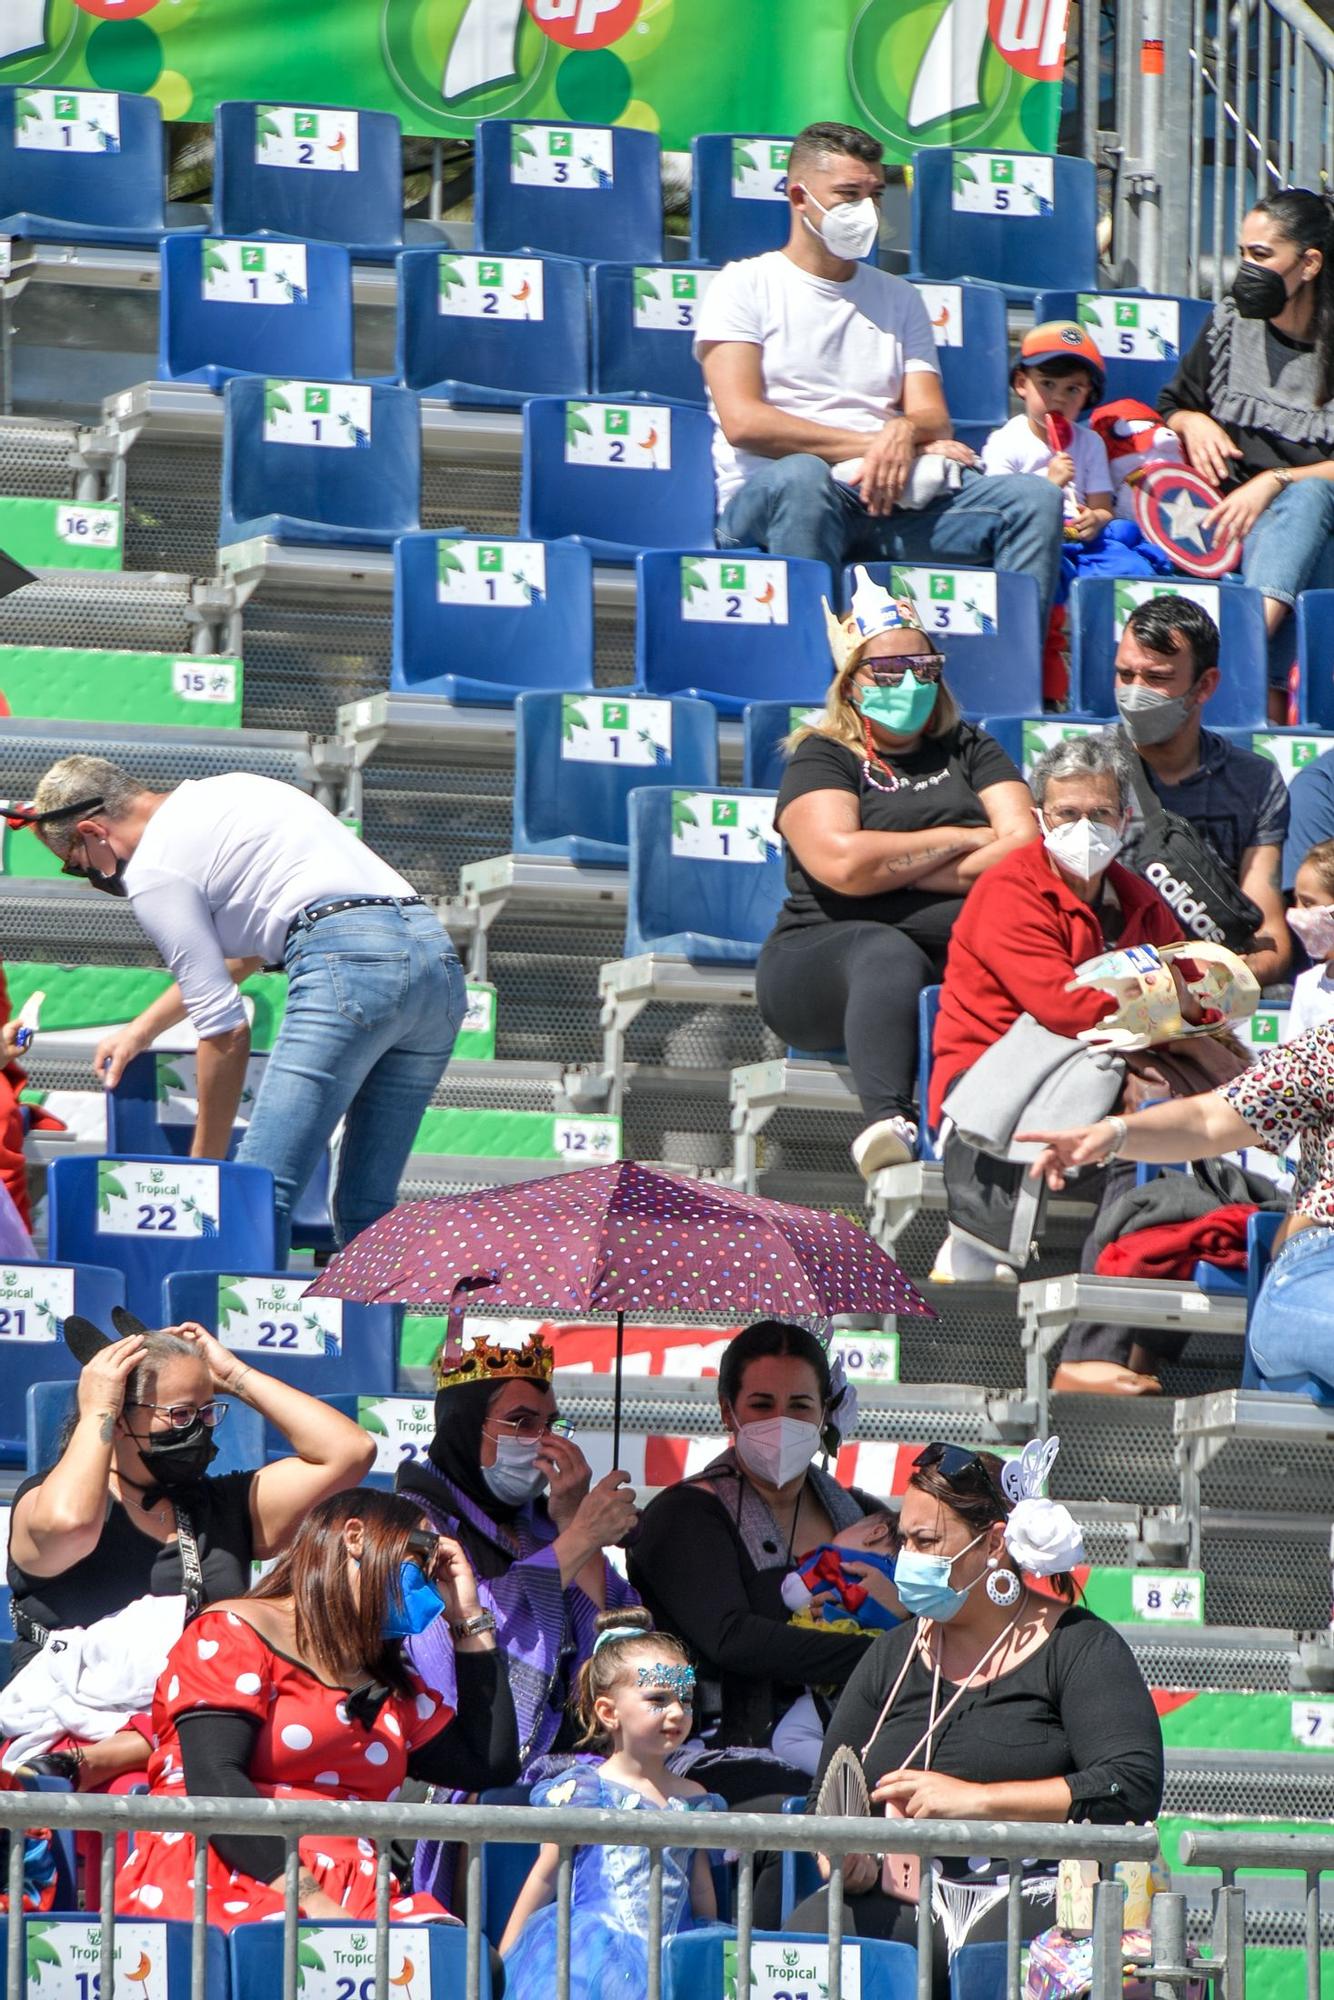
x=1024, y=1706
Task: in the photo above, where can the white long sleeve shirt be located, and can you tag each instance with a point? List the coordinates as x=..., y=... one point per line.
x=223, y=867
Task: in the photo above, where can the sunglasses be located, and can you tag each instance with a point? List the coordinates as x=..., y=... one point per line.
x=180, y=1416
x=957, y=1464
x=889, y=671
x=423, y=1548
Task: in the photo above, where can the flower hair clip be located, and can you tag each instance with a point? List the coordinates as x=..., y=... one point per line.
x=1041, y=1535
x=679, y=1679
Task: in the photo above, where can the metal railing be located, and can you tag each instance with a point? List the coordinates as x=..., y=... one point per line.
x=1312, y=1855
x=743, y=1834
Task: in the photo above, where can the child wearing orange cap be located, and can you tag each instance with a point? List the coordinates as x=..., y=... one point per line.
x=1058, y=374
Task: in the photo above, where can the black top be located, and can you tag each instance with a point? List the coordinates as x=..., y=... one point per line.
x=937, y=784
x=696, y=1576
x=1263, y=449
x=1076, y=1709
x=127, y=1563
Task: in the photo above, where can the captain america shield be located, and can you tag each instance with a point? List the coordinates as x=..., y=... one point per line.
x=1171, y=502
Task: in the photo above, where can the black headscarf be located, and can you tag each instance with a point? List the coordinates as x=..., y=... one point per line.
x=456, y=1448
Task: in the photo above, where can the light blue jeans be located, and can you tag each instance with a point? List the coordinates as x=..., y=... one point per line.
x=375, y=998
x=794, y=507
x=1291, y=549
x=1292, y=1327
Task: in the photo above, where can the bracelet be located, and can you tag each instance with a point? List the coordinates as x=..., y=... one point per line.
x=1118, y=1138
x=1283, y=476
x=472, y=1628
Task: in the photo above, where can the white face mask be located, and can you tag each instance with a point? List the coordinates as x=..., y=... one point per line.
x=515, y=1477
x=1315, y=927
x=848, y=229
x=778, y=1448
x=1085, y=848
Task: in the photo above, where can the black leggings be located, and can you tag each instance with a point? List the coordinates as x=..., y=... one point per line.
x=854, y=986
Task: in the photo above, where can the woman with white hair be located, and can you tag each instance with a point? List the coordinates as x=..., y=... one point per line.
x=890, y=809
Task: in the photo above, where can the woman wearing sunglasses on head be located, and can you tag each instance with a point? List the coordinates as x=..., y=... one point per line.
x=992, y=1702
x=890, y=809
x=129, y=1510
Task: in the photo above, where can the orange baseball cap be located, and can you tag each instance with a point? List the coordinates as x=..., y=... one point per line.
x=1058, y=340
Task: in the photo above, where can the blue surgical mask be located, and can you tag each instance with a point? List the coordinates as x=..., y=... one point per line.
x=417, y=1604
x=924, y=1587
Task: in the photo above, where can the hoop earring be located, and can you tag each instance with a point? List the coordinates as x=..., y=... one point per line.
x=1003, y=1587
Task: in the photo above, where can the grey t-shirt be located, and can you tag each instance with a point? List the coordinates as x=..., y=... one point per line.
x=1235, y=799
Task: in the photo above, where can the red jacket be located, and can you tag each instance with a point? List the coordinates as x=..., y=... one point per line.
x=1020, y=935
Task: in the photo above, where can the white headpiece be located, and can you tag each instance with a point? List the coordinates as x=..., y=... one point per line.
x=873, y=611
x=1041, y=1534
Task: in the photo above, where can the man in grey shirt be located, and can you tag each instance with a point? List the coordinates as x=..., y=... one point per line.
x=232, y=873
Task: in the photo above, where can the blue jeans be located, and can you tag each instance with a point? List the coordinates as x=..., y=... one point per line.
x=374, y=1000
x=1291, y=549
x=794, y=507
x=1292, y=1327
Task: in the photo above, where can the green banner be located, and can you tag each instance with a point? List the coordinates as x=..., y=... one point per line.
x=916, y=72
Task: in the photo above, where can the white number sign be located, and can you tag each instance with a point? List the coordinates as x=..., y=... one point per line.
x=668, y=301
x=637, y=437
x=1170, y=1597
x=326, y=141
x=1040, y=736
x=959, y=601
x=321, y=413
x=513, y=573
x=64, y=1957
x=1313, y=1724
x=269, y=1315
x=759, y=169
x=253, y=274
x=401, y=1428
x=1291, y=753
x=717, y=590
x=561, y=156
x=944, y=309
x=177, y=1088
x=35, y=1303
x=1129, y=594
x=1003, y=184
x=204, y=680
x=490, y=287
x=720, y=826
x=867, y=1357
x=88, y=527
x=335, y=1963
x=587, y=1138
x=67, y=121
x=780, y=1970
x=1131, y=329
x=597, y=730
x=480, y=1017
x=169, y=1198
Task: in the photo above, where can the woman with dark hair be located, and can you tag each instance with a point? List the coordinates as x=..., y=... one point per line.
x=713, y=1552
x=300, y=1690
x=993, y=1702
x=1253, y=406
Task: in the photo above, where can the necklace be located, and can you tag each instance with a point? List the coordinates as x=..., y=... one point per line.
x=155, y=1512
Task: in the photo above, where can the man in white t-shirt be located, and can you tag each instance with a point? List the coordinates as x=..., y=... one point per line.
x=233, y=873
x=831, y=436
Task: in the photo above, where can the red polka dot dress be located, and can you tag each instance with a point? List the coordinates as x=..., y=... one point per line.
x=308, y=1747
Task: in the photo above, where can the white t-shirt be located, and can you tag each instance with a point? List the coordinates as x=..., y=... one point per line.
x=1013, y=448
x=834, y=354
x=1312, y=1002
x=222, y=868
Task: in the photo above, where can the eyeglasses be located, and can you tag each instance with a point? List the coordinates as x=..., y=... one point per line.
x=1071, y=816
x=180, y=1416
x=530, y=1427
x=958, y=1465
x=888, y=671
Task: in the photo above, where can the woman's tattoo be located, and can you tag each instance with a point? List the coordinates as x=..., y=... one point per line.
x=307, y=1885
x=904, y=862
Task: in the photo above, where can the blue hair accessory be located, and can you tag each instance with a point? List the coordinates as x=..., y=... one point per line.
x=619, y=1632
x=680, y=1679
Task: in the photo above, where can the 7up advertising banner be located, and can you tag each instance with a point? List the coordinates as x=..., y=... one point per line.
x=982, y=73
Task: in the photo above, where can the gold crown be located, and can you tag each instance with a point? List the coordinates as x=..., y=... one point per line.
x=487, y=1361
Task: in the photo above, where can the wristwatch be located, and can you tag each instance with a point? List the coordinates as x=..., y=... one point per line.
x=471, y=1628
x=1283, y=476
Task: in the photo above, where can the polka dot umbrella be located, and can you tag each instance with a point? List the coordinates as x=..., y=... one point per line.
x=622, y=1238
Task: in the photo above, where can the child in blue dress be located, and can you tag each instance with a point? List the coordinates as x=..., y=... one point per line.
x=634, y=1697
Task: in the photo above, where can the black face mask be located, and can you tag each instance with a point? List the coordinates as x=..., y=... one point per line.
x=110, y=885
x=179, y=1458
x=1258, y=293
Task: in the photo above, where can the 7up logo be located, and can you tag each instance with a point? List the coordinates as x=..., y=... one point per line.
x=615, y=715
x=560, y=145
x=317, y=402
x=490, y=560
x=942, y=589
x=65, y=107
x=724, y=812
x=616, y=423
x=1127, y=313
x=1003, y=170
x=252, y=257
x=306, y=125
x=732, y=576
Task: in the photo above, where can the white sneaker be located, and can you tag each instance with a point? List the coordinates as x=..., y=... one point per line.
x=962, y=1262
x=890, y=1142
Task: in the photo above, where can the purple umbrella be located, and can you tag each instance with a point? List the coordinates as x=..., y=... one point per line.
x=619, y=1239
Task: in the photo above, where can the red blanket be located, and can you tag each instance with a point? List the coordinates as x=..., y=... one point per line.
x=1173, y=1249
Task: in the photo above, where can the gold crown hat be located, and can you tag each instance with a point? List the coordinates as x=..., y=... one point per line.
x=873, y=611
x=483, y=1360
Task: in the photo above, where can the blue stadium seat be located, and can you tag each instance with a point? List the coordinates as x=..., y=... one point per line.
x=136, y=1126
x=288, y=193
x=706, y=910
x=1140, y=335
x=461, y=338
x=1007, y=244
x=176, y=1936
x=506, y=1864
x=618, y=477
x=96, y=1217
x=1240, y=701
x=977, y=1971
x=287, y=328
x=49, y=1405
x=438, y=1955
x=644, y=330
x=928, y=1006
x=575, y=190
x=764, y=727
x=738, y=195
x=748, y=626
x=799, y=1875
x=692, y=1962
x=515, y=615
x=574, y=808
x=362, y=494
x=54, y=192
x=998, y=665
x=31, y=1347
x=972, y=349
x=1261, y=1229
x=1315, y=657
x=360, y=1343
